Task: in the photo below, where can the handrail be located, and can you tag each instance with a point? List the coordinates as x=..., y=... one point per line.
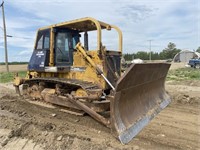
x=96, y=22
x=120, y=36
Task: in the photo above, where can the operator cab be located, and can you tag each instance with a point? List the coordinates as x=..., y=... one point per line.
x=55, y=44
x=65, y=41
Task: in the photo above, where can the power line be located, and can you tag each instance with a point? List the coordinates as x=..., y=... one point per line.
x=20, y=37
x=10, y=36
x=16, y=36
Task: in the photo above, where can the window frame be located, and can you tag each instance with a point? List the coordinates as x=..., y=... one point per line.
x=43, y=33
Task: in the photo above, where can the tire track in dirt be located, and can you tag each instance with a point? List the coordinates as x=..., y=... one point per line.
x=176, y=127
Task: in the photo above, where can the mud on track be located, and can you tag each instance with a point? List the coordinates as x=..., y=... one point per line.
x=27, y=126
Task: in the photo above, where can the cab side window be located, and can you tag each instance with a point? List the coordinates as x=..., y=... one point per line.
x=43, y=39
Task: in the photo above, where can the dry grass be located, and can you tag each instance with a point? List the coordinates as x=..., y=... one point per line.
x=13, y=68
x=177, y=65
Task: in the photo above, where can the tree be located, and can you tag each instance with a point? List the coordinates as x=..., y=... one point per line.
x=128, y=57
x=198, y=49
x=155, y=56
x=171, y=46
x=169, y=52
x=142, y=55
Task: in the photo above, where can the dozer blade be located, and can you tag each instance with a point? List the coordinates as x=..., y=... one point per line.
x=139, y=95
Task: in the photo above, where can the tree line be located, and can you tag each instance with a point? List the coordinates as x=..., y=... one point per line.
x=14, y=63
x=168, y=53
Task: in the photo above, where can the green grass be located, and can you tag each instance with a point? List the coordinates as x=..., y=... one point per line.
x=184, y=74
x=177, y=75
x=8, y=76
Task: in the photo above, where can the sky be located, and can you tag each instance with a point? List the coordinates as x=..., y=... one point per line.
x=161, y=21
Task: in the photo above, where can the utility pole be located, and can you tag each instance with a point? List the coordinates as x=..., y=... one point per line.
x=150, y=50
x=5, y=37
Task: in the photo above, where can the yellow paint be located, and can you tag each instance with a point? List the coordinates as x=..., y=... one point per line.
x=81, y=92
x=91, y=24
x=51, y=59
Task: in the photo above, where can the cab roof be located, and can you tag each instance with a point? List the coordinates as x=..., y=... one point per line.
x=81, y=25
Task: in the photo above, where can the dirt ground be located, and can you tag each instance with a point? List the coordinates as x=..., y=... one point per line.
x=27, y=126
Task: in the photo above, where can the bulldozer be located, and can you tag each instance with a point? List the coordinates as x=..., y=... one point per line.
x=67, y=74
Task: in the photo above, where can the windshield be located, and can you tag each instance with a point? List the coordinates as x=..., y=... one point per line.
x=65, y=43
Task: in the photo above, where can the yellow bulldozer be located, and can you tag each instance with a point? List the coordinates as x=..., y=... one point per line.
x=63, y=72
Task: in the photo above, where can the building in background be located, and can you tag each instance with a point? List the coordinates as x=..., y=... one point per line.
x=185, y=56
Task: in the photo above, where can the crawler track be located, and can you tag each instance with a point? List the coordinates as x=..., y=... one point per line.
x=72, y=83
